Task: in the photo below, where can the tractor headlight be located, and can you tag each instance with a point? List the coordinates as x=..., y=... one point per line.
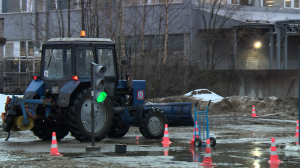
x=55, y=89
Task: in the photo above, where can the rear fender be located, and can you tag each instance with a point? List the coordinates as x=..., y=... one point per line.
x=36, y=87
x=65, y=93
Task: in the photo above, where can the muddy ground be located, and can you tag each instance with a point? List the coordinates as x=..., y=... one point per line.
x=277, y=118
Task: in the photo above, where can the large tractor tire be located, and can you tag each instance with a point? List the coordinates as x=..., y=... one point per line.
x=79, y=117
x=44, y=129
x=153, y=123
x=118, y=129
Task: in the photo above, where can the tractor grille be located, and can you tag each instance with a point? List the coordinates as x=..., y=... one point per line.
x=49, y=84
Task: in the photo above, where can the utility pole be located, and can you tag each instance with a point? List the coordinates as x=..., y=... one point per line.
x=69, y=34
x=82, y=15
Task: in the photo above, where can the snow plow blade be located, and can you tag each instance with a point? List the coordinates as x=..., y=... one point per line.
x=178, y=114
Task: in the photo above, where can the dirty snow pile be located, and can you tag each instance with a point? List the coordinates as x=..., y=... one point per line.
x=238, y=104
x=290, y=147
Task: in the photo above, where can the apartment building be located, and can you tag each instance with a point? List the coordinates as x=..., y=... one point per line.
x=27, y=23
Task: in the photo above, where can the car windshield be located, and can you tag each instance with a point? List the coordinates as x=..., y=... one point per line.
x=57, y=63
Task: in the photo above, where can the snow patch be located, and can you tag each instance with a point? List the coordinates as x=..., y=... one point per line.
x=3, y=100
x=205, y=94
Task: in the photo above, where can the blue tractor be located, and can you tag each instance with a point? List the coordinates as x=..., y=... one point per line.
x=59, y=99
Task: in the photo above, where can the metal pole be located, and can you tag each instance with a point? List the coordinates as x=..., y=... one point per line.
x=234, y=49
x=285, y=50
x=82, y=15
x=92, y=106
x=299, y=88
x=278, y=47
x=69, y=33
x=271, y=50
x=93, y=149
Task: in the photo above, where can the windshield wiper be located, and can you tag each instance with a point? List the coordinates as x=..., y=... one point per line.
x=51, y=54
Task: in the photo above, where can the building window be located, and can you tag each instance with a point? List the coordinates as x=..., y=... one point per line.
x=296, y=4
x=23, y=66
x=9, y=50
x=288, y=3
x=26, y=45
x=234, y=1
x=272, y=3
x=11, y=66
x=74, y=4
x=23, y=48
x=18, y=49
x=58, y=4
x=10, y=6
x=30, y=48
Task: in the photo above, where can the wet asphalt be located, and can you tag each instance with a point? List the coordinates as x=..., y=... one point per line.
x=141, y=152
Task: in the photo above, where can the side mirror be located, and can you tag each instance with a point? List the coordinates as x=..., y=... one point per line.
x=124, y=60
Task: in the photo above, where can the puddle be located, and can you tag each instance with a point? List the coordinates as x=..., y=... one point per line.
x=73, y=155
x=238, y=155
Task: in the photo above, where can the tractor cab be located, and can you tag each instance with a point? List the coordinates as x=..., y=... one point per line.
x=69, y=59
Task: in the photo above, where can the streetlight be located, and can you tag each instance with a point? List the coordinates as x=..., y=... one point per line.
x=257, y=45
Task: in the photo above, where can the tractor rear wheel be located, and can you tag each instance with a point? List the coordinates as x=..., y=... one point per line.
x=153, y=123
x=79, y=117
x=44, y=129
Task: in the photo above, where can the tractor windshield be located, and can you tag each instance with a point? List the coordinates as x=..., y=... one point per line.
x=84, y=57
x=57, y=63
x=105, y=57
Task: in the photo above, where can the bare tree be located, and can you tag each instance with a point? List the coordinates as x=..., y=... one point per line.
x=166, y=32
x=214, y=14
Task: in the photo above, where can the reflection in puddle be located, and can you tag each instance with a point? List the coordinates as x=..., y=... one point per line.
x=256, y=164
x=257, y=152
x=196, y=153
x=166, y=148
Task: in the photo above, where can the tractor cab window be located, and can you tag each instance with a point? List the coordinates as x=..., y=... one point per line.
x=84, y=57
x=105, y=57
x=57, y=63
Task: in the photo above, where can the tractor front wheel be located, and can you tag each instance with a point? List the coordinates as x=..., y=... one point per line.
x=79, y=117
x=153, y=123
x=8, y=123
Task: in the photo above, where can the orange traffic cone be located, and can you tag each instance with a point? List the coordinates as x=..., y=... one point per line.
x=273, y=156
x=297, y=129
x=166, y=139
x=253, y=111
x=195, y=134
x=207, y=161
x=54, y=149
x=166, y=149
